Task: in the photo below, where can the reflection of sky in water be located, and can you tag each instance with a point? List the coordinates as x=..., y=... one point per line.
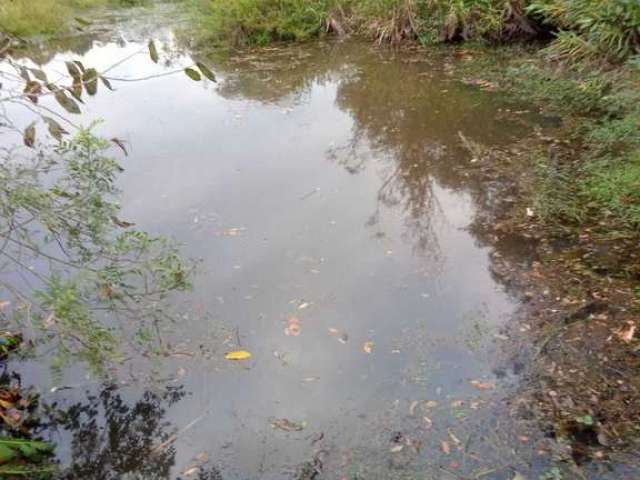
x=201, y=163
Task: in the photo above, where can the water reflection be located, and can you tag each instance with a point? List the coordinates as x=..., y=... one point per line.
x=341, y=170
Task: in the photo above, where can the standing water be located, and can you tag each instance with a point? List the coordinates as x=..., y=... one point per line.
x=328, y=193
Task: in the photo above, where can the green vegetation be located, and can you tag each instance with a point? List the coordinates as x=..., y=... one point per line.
x=25, y=18
x=596, y=44
x=584, y=29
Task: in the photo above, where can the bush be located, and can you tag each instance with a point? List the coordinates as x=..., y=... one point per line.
x=592, y=29
x=261, y=21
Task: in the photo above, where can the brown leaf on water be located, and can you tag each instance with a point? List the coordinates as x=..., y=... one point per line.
x=483, y=385
x=287, y=425
x=294, y=327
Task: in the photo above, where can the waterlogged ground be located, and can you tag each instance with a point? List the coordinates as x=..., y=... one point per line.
x=328, y=192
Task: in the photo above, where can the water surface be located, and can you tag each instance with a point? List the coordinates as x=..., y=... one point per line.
x=327, y=182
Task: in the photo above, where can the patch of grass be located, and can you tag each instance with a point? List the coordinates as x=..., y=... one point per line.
x=26, y=18
x=260, y=21
x=613, y=186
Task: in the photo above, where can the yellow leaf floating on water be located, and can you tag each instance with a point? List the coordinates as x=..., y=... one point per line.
x=237, y=355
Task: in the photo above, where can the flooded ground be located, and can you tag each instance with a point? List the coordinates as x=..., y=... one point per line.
x=327, y=191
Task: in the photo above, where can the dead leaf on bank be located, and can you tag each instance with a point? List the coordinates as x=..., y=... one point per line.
x=444, y=446
x=367, y=347
x=287, y=425
x=237, y=355
x=294, y=327
x=627, y=332
x=483, y=385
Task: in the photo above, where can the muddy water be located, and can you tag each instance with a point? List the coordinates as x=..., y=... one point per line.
x=327, y=182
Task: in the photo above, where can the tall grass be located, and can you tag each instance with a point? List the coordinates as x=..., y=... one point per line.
x=24, y=18
x=585, y=29
x=592, y=29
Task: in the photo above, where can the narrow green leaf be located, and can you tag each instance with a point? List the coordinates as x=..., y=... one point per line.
x=29, y=136
x=153, y=51
x=82, y=21
x=206, y=72
x=90, y=80
x=106, y=83
x=73, y=70
x=55, y=129
x=67, y=103
x=192, y=74
x=39, y=74
x=33, y=89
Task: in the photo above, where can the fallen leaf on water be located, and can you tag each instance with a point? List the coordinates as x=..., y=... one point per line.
x=367, y=347
x=287, y=425
x=294, y=327
x=232, y=232
x=444, y=446
x=482, y=385
x=237, y=355
x=202, y=457
x=428, y=421
x=455, y=439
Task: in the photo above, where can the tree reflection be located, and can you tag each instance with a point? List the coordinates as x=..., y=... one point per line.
x=114, y=439
x=408, y=121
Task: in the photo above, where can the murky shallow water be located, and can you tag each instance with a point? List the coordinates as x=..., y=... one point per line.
x=328, y=182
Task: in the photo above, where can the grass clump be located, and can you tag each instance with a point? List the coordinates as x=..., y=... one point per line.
x=25, y=18
x=261, y=21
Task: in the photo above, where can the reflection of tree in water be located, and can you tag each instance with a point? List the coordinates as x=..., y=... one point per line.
x=112, y=438
x=407, y=115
